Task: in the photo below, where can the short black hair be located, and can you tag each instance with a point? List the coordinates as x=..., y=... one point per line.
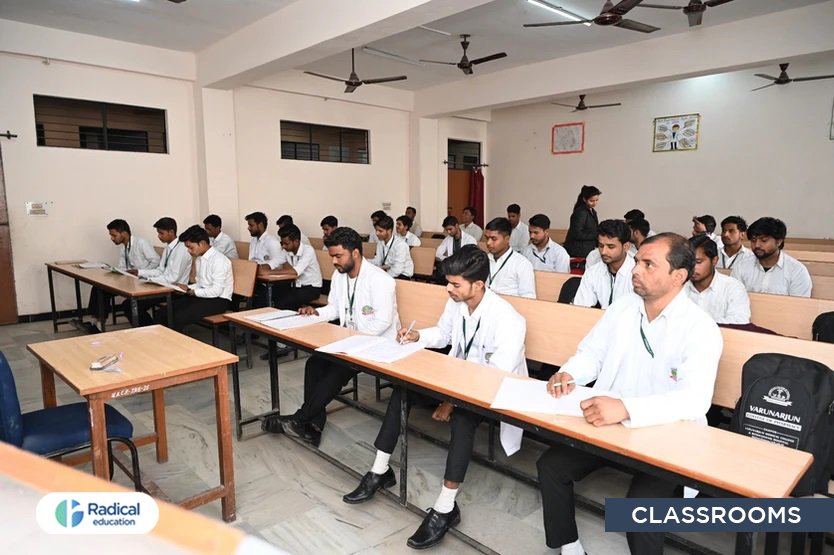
x=290, y=231
x=258, y=218
x=385, y=222
x=346, y=238
x=118, y=225
x=616, y=229
x=471, y=210
x=449, y=220
x=214, y=220
x=285, y=219
x=634, y=214
x=406, y=221
x=407, y=208
x=377, y=214
x=681, y=256
x=166, y=224
x=194, y=234
x=501, y=225
x=330, y=221
x=470, y=263
x=707, y=220
x=737, y=220
x=513, y=209
x=540, y=220
x=769, y=227
x=704, y=242
x=641, y=225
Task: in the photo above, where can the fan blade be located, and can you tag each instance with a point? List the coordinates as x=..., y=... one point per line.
x=713, y=3
x=565, y=105
x=351, y=88
x=624, y=7
x=436, y=62
x=765, y=76
x=762, y=87
x=632, y=25
x=323, y=76
x=661, y=7
x=489, y=58
x=555, y=23
x=384, y=79
x=695, y=18
x=605, y=105
x=814, y=78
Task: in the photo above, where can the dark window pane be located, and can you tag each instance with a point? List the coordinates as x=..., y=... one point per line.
x=325, y=143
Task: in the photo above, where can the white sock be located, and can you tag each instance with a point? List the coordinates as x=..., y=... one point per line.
x=381, y=463
x=96, y=323
x=574, y=548
x=446, y=500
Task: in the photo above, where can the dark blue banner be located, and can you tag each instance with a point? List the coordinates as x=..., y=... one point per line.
x=719, y=515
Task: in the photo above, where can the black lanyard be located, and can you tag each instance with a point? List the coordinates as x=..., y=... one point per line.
x=468, y=345
x=351, y=297
x=493, y=276
x=127, y=254
x=543, y=258
x=611, y=294
x=646, y=343
x=386, y=249
x=168, y=254
x=733, y=261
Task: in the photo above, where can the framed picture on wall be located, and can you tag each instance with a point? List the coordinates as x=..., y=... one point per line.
x=674, y=133
x=567, y=138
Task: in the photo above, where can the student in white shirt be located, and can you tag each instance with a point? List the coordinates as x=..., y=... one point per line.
x=722, y=297
x=219, y=240
x=363, y=298
x=468, y=225
x=605, y=283
x=655, y=350
x=211, y=293
x=454, y=239
x=483, y=328
x=403, y=228
x=770, y=270
x=706, y=225
x=542, y=252
x=303, y=265
x=520, y=233
x=510, y=273
x=636, y=214
x=375, y=216
x=285, y=220
x=411, y=212
x=265, y=249
x=640, y=231
x=733, y=234
x=328, y=224
x=392, y=252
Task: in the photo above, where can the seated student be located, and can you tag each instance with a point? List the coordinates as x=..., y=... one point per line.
x=212, y=292
x=301, y=264
x=483, y=328
x=454, y=239
x=411, y=212
x=635, y=214
x=134, y=253
x=520, y=237
x=510, y=273
x=706, y=225
x=659, y=353
x=374, y=219
x=219, y=240
x=328, y=224
x=770, y=270
x=363, y=298
x=733, y=234
x=468, y=225
x=392, y=252
x=403, y=228
x=640, y=230
x=545, y=254
x=605, y=283
x=286, y=219
x=265, y=249
x=722, y=297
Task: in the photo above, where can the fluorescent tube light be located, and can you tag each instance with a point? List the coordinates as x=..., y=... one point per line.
x=558, y=10
x=396, y=57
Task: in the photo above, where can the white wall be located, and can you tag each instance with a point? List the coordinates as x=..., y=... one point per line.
x=760, y=153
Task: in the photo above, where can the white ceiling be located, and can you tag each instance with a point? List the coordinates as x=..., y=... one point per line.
x=190, y=26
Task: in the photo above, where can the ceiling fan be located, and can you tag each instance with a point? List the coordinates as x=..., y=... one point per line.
x=610, y=15
x=177, y=1
x=582, y=106
x=353, y=82
x=694, y=10
x=783, y=78
x=465, y=64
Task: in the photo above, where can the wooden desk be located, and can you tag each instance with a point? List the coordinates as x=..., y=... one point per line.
x=270, y=281
x=155, y=357
x=117, y=284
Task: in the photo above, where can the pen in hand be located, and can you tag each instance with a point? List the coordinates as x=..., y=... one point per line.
x=405, y=335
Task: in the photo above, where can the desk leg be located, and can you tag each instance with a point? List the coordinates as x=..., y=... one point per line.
x=134, y=312
x=236, y=382
x=404, y=447
x=273, y=376
x=52, y=301
x=160, y=426
x=170, y=307
x=224, y=445
x=98, y=438
x=744, y=543
x=78, y=300
x=50, y=398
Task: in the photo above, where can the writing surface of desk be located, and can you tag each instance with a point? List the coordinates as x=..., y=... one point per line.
x=155, y=357
x=114, y=283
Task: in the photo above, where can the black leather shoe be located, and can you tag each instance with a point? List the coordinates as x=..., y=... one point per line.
x=273, y=424
x=295, y=429
x=433, y=528
x=369, y=485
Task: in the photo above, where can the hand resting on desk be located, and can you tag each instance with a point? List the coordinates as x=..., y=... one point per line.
x=599, y=411
x=308, y=311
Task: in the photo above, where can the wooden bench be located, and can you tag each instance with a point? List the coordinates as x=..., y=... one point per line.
x=317, y=243
x=549, y=284
x=429, y=242
x=369, y=250
x=806, y=256
x=823, y=245
x=244, y=273
x=423, y=258
x=242, y=249
x=823, y=286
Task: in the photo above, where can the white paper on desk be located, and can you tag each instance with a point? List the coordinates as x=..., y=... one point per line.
x=123, y=272
x=92, y=265
x=272, y=315
x=532, y=396
x=371, y=347
x=160, y=281
x=294, y=321
x=351, y=345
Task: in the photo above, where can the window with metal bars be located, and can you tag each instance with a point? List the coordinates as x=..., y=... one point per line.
x=323, y=143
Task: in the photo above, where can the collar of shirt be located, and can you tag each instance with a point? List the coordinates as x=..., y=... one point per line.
x=463, y=308
x=298, y=254
x=675, y=305
x=779, y=263
x=494, y=260
x=625, y=267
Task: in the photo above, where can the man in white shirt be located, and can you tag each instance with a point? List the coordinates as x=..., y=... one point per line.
x=265, y=249
x=392, y=252
x=403, y=228
x=303, y=265
x=706, y=225
x=510, y=273
x=520, y=234
x=285, y=220
x=483, y=328
x=411, y=212
x=468, y=225
x=722, y=297
x=219, y=240
x=605, y=283
x=374, y=219
x=542, y=252
x=771, y=270
x=454, y=239
x=328, y=224
x=733, y=234
x=362, y=297
x=212, y=292
x=654, y=355
x=640, y=230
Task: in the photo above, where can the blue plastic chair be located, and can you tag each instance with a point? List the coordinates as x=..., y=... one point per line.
x=60, y=430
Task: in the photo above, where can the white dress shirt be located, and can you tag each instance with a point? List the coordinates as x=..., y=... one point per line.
x=727, y=261
x=306, y=265
x=512, y=274
x=411, y=240
x=214, y=276
x=266, y=249
x=520, y=237
x=446, y=248
x=396, y=255
x=473, y=229
x=599, y=286
x=174, y=264
x=594, y=258
x=374, y=308
x=138, y=254
x=372, y=238
x=553, y=258
x=495, y=335
x=717, y=240
x=788, y=277
x=725, y=299
x=416, y=229
x=304, y=239
x=676, y=383
x=224, y=244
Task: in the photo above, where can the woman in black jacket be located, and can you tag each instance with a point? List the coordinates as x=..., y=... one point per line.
x=582, y=233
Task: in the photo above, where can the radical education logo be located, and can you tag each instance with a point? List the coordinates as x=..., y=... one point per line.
x=97, y=513
x=68, y=513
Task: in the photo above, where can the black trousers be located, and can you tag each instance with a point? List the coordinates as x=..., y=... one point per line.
x=143, y=308
x=260, y=296
x=323, y=380
x=559, y=467
x=190, y=310
x=296, y=297
x=389, y=432
x=99, y=305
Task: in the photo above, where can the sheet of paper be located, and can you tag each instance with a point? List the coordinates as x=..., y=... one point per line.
x=351, y=345
x=388, y=351
x=92, y=265
x=532, y=396
x=124, y=273
x=273, y=315
x=294, y=321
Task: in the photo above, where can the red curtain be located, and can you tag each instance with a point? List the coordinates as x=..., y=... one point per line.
x=476, y=194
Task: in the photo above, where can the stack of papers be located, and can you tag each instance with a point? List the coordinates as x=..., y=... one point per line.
x=285, y=319
x=371, y=347
x=92, y=265
x=532, y=396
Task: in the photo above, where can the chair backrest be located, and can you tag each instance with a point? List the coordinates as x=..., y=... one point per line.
x=159, y=250
x=11, y=421
x=325, y=264
x=430, y=242
x=242, y=249
x=316, y=242
x=569, y=289
x=244, y=273
x=423, y=258
x=549, y=284
x=368, y=250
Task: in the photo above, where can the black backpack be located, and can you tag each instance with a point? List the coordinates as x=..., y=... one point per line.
x=823, y=327
x=789, y=401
